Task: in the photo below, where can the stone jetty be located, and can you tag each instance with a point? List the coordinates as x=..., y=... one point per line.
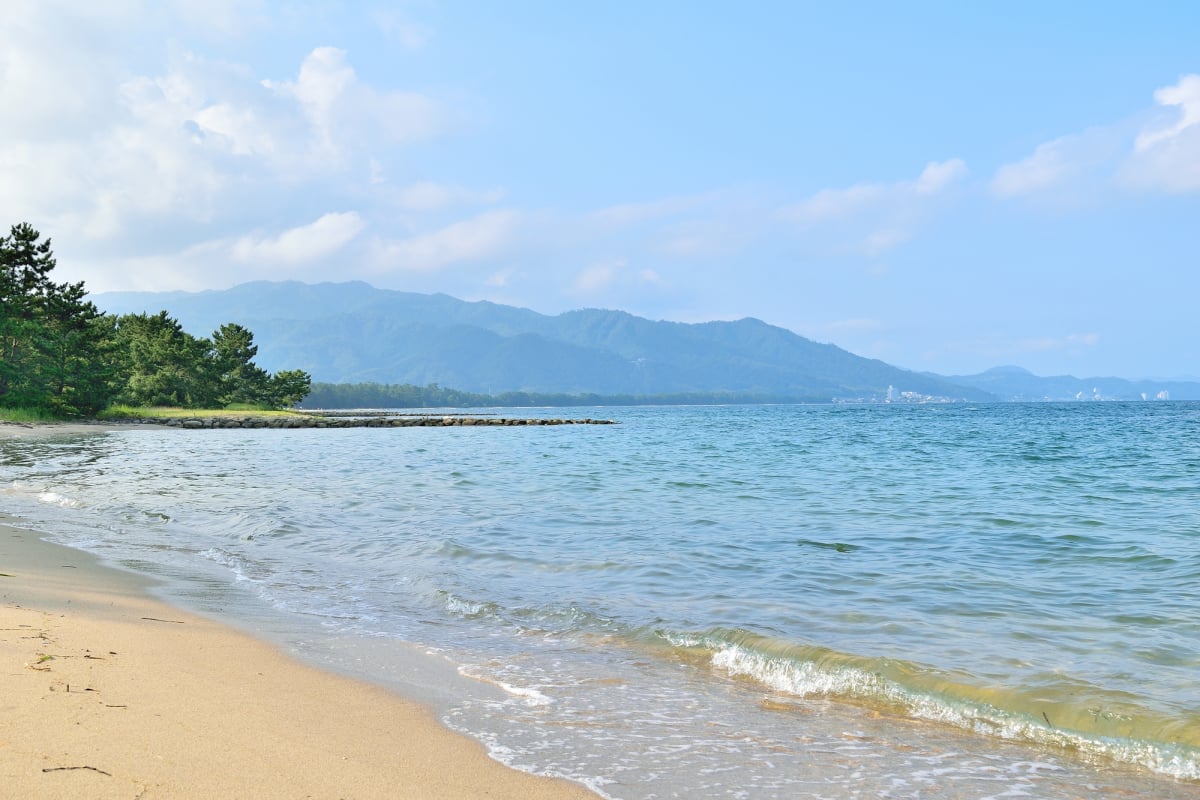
x=357, y=420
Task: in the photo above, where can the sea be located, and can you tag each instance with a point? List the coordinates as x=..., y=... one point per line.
x=793, y=601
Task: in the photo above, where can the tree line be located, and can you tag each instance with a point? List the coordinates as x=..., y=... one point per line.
x=407, y=395
x=60, y=354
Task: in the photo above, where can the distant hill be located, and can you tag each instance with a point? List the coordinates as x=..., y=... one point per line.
x=353, y=332
x=1015, y=383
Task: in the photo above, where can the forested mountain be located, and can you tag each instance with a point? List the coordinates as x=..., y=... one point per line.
x=352, y=332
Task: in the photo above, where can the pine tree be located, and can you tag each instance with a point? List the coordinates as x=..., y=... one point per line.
x=55, y=348
x=238, y=378
x=163, y=364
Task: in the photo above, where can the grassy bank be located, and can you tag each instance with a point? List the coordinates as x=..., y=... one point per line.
x=119, y=413
x=116, y=413
x=26, y=415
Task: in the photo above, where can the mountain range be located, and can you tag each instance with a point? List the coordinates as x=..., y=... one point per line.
x=354, y=333
x=1017, y=384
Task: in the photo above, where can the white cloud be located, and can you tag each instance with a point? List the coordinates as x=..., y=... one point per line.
x=1163, y=156
x=938, y=176
x=476, y=239
x=1185, y=95
x=875, y=217
x=124, y=145
x=344, y=112
x=324, y=80
x=1050, y=164
x=1166, y=155
x=598, y=276
x=612, y=274
x=837, y=203
x=302, y=244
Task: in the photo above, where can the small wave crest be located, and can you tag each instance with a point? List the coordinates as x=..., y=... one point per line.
x=233, y=563
x=526, y=694
x=467, y=609
x=56, y=499
x=917, y=691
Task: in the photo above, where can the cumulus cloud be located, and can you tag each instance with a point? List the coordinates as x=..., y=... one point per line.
x=482, y=237
x=302, y=244
x=1185, y=95
x=178, y=155
x=875, y=217
x=344, y=111
x=1162, y=156
x=1072, y=170
x=1166, y=154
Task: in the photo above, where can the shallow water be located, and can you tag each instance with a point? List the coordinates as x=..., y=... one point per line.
x=821, y=601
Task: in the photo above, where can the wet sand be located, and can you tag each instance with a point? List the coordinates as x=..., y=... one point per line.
x=108, y=693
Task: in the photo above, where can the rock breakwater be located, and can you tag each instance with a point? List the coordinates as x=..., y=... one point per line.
x=375, y=420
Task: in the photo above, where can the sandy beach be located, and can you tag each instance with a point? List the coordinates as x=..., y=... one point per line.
x=108, y=693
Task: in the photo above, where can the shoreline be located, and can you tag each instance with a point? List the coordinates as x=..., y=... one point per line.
x=301, y=420
x=109, y=693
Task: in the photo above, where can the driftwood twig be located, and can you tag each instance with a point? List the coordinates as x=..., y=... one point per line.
x=63, y=769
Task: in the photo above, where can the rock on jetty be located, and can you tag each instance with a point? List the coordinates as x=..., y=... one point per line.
x=358, y=420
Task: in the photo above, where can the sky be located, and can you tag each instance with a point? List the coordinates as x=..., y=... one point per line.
x=946, y=186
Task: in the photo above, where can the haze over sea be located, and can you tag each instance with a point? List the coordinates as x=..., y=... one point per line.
x=746, y=601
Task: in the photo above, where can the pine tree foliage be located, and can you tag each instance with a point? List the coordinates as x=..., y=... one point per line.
x=59, y=354
x=55, y=351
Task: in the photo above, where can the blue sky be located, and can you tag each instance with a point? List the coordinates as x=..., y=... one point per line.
x=945, y=186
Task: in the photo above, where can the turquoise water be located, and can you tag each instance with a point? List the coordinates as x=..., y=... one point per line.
x=793, y=601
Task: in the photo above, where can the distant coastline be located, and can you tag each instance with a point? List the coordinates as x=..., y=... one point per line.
x=409, y=396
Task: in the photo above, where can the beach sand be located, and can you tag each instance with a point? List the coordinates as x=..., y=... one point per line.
x=108, y=693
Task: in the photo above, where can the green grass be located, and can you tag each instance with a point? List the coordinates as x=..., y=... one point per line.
x=163, y=412
x=26, y=415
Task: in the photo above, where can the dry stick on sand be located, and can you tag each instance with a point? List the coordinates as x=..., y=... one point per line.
x=65, y=769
